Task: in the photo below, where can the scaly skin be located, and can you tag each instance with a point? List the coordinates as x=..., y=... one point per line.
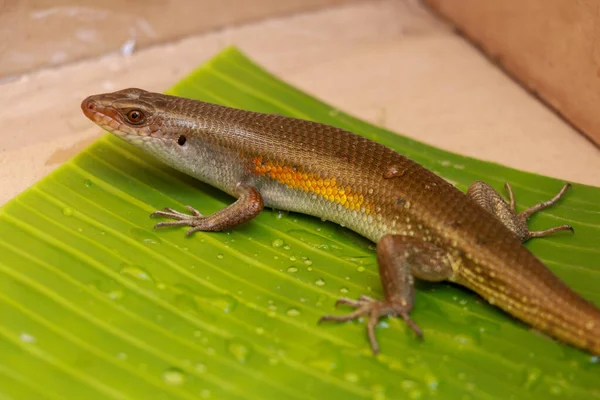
x=423, y=225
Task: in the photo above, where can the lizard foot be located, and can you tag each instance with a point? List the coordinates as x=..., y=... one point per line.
x=181, y=219
x=484, y=195
x=524, y=215
x=375, y=309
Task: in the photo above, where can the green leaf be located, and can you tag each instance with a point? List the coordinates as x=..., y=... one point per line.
x=94, y=304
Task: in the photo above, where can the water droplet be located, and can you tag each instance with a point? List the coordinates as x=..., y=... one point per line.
x=144, y=236
x=186, y=298
x=273, y=361
x=286, y=247
x=532, y=377
x=320, y=282
x=282, y=214
x=293, y=312
x=239, y=350
x=556, y=390
x=115, y=294
x=87, y=183
x=327, y=360
x=378, y=392
x=394, y=172
x=320, y=300
x=313, y=240
x=277, y=243
x=173, y=376
x=293, y=258
x=138, y=273
x=292, y=269
x=108, y=287
x=431, y=381
x=27, y=338
x=360, y=260
x=395, y=365
x=344, y=290
x=259, y=330
x=351, y=377
x=200, y=368
x=483, y=325
x=308, y=261
x=224, y=302
x=464, y=339
x=361, y=269
x=67, y=211
x=186, y=301
x=220, y=256
x=407, y=384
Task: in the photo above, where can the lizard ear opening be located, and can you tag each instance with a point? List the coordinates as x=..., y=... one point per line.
x=181, y=140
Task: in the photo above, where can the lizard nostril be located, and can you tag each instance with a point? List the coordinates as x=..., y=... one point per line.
x=89, y=106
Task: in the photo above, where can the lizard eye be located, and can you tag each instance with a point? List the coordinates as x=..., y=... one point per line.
x=135, y=117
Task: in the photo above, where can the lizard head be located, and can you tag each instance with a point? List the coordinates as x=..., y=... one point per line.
x=159, y=124
x=173, y=129
x=132, y=114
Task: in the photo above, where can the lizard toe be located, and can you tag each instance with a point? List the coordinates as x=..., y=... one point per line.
x=375, y=309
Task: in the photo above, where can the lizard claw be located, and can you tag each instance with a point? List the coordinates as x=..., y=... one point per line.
x=180, y=219
x=176, y=215
x=375, y=309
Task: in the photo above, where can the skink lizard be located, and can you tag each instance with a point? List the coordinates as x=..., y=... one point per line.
x=423, y=226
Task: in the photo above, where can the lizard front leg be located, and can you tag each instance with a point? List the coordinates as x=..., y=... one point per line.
x=248, y=205
x=485, y=195
x=400, y=258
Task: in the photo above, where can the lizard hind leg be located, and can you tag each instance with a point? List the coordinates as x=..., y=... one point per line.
x=400, y=258
x=484, y=195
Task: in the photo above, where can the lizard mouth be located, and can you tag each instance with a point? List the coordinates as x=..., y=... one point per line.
x=105, y=117
x=110, y=119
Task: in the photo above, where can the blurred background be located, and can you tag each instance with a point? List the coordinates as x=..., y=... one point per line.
x=514, y=82
x=50, y=33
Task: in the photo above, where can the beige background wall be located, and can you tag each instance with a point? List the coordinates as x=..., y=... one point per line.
x=390, y=62
x=550, y=46
x=42, y=33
